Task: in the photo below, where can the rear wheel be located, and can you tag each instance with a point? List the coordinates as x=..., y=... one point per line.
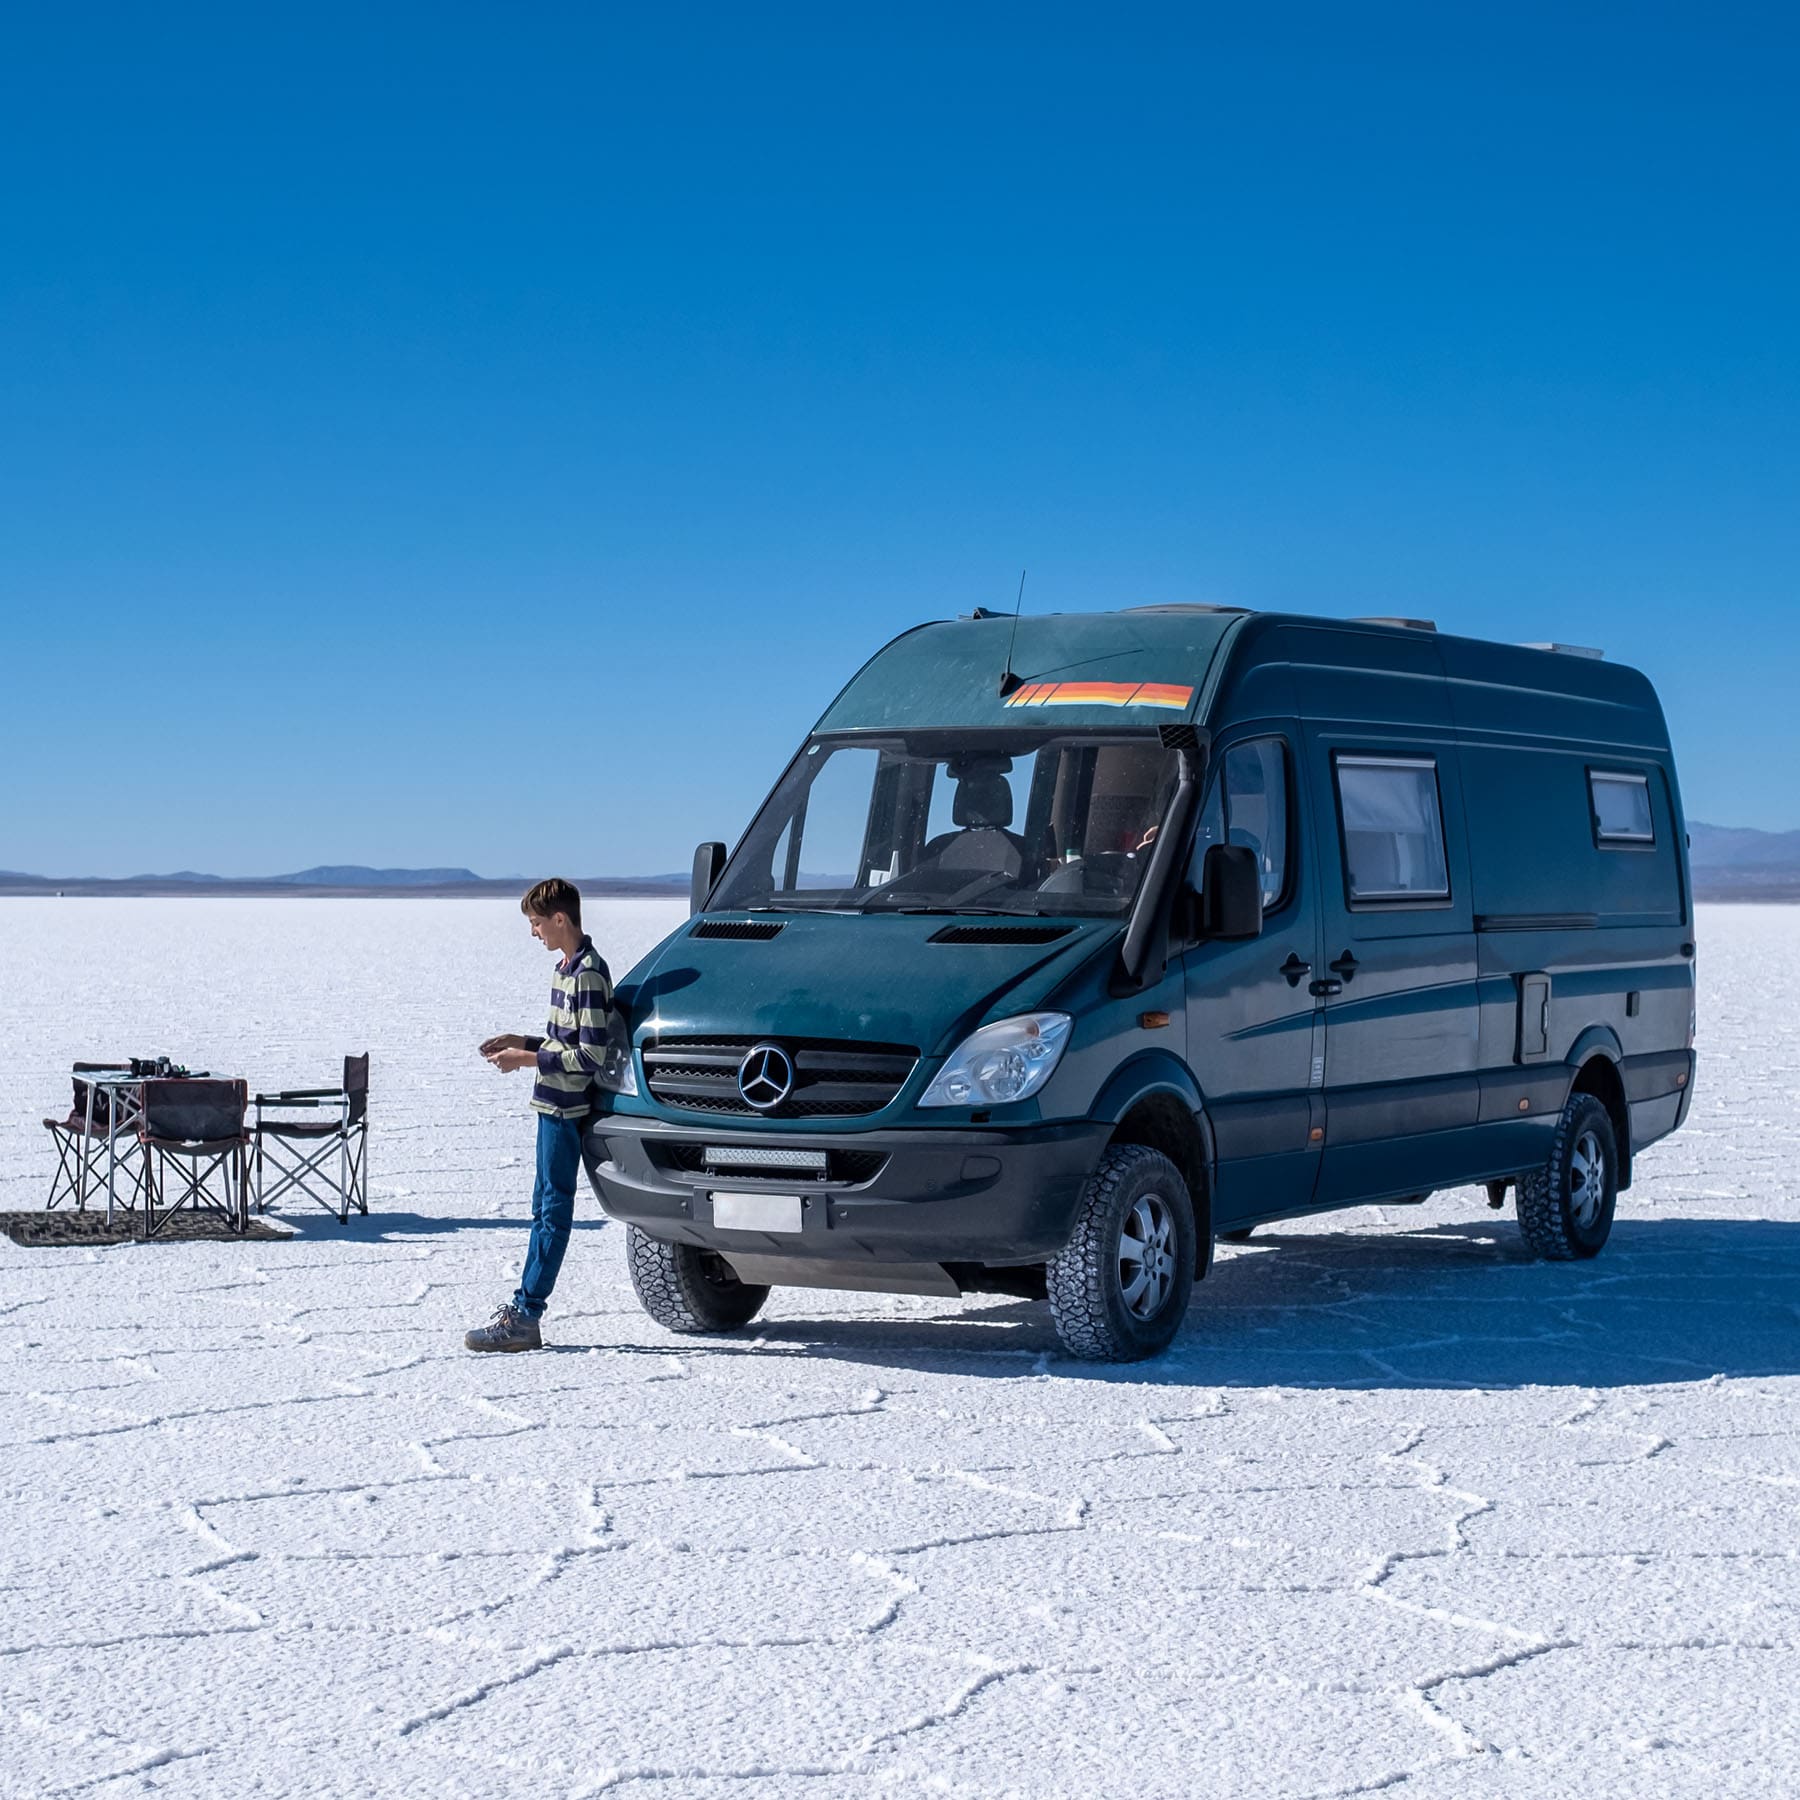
x=1119, y=1288
x=1566, y=1207
x=688, y=1290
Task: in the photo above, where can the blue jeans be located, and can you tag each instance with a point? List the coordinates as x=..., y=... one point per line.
x=552, y=1210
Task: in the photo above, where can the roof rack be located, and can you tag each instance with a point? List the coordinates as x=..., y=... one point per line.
x=1186, y=606
x=1568, y=650
x=1388, y=619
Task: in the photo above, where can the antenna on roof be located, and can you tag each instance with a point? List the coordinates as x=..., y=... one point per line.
x=1008, y=680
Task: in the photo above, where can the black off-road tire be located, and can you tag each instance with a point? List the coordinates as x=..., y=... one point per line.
x=1086, y=1283
x=688, y=1290
x=1566, y=1207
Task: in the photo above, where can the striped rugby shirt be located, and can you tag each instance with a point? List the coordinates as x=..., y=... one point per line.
x=573, y=1047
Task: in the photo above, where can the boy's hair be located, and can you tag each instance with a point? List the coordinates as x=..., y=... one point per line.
x=553, y=896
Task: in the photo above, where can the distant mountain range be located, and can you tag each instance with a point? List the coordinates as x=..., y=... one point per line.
x=1732, y=862
x=331, y=879
x=328, y=875
x=1738, y=847
x=1729, y=863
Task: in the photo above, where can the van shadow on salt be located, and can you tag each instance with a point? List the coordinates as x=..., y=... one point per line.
x=1447, y=1306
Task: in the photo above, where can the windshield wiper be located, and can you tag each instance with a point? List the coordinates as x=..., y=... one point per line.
x=987, y=912
x=950, y=903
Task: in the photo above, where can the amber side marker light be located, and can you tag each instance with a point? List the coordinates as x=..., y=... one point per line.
x=1524, y=1106
x=1153, y=1021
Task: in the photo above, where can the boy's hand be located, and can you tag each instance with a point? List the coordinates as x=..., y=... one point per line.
x=507, y=1040
x=513, y=1057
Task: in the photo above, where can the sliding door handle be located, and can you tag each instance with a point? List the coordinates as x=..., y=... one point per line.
x=1345, y=965
x=1293, y=969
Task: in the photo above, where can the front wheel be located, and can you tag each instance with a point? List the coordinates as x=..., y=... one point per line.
x=1119, y=1288
x=688, y=1290
x=1566, y=1207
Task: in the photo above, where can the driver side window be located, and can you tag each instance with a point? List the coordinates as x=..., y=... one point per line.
x=1247, y=803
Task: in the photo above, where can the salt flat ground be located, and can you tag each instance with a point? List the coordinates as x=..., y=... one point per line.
x=1402, y=1511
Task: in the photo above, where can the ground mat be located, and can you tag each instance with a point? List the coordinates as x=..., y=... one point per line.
x=50, y=1230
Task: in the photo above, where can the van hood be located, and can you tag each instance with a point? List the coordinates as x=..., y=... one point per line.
x=919, y=979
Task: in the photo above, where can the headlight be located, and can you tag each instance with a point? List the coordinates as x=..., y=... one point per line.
x=1008, y=1060
x=618, y=1074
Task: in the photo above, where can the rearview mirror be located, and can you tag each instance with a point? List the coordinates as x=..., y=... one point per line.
x=1231, y=893
x=709, y=865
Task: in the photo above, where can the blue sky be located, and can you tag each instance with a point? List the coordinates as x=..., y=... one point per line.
x=490, y=436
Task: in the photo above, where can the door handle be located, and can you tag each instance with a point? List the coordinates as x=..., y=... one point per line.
x=1323, y=990
x=1345, y=965
x=1293, y=969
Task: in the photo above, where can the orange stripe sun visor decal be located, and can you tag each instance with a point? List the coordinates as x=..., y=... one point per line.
x=1101, y=693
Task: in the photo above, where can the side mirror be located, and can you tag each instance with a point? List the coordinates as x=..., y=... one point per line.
x=1231, y=893
x=709, y=865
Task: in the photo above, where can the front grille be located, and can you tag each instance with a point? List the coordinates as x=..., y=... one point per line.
x=842, y=1167
x=831, y=1079
x=1000, y=934
x=758, y=929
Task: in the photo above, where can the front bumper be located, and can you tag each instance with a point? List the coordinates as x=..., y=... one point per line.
x=994, y=1197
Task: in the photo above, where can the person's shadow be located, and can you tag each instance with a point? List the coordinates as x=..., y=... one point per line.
x=1302, y=1305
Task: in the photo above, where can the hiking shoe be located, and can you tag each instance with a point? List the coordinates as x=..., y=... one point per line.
x=508, y=1329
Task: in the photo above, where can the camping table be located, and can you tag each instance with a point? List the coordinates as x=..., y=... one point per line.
x=122, y=1091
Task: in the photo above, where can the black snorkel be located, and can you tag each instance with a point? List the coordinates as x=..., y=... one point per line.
x=1144, y=954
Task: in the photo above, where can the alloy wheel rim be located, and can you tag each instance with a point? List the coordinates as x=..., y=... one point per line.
x=1147, y=1256
x=1587, y=1179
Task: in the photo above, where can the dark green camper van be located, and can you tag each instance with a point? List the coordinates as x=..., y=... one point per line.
x=1050, y=959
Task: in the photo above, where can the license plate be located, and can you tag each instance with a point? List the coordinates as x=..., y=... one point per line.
x=756, y=1212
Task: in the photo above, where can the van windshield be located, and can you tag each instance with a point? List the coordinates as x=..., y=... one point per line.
x=956, y=822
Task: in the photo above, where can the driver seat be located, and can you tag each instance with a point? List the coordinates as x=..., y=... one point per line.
x=982, y=809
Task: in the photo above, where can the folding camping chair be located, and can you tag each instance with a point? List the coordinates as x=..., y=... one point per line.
x=300, y=1149
x=87, y=1127
x=199, y=1126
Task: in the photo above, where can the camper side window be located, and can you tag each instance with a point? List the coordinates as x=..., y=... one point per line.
x=1248, y=805
x=1393, y=828
x=1621, y=806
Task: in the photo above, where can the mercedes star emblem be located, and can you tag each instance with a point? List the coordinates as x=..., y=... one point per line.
x=766, y=1076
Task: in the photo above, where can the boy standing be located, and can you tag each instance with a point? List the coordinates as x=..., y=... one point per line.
x=567, y=1058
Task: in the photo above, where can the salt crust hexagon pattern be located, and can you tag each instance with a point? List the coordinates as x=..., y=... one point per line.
x=1402, y=1511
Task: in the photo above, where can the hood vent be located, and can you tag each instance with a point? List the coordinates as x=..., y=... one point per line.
x=1000, y=934
x=758, y=929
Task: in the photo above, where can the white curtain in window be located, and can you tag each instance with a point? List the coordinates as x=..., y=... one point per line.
x=1393, y=831
x=1400, y=801
x=1622, y=805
